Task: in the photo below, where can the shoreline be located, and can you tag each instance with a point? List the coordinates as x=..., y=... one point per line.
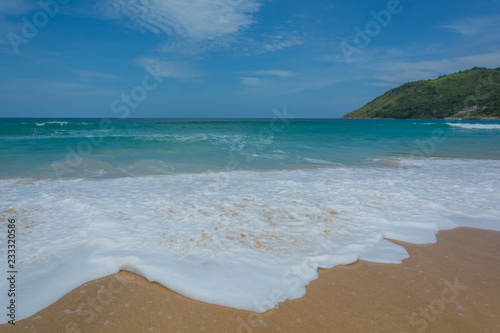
x=451, y=285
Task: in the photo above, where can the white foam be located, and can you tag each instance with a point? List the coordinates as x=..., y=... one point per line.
x=476, y=126
x=317, y=161
x=243, y=239
x=62, y=123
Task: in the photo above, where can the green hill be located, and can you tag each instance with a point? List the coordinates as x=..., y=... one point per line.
x=471, y=94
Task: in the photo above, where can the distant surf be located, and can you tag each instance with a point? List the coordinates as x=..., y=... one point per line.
x=476, y=126
x=61, y=123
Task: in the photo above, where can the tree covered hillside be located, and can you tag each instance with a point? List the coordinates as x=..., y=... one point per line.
x=474, y=93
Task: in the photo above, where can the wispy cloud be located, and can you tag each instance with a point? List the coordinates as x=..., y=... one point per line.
x=310, y=84
x=491, y=60
x=474, y=26
x=276, y=42
x=250, y=81
x=405, y=71
x=282, y=82
x=197, y=27
x=169, y=68
x=266, y=77
x=197, y=19
x=188, y=47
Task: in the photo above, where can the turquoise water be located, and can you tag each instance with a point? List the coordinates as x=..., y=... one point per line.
x=93, y=148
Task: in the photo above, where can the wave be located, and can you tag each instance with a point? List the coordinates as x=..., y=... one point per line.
x=476, y=126
x=61, y=123
x=318, y=161
x=234, y=238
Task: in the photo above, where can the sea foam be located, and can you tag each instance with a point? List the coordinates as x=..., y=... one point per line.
x=61, y=123
x=241, y=239
x=476, y=126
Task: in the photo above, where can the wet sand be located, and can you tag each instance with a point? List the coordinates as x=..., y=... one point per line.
x=450, y=286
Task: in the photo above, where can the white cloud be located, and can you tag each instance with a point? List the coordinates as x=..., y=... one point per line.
x=474, y=26
x=278, y=42
x=250, y=81
x=196, y=19
x=405, y=71
x=491, y=60
x=168, y=68
x=265, y=78
x=263, y=43
x=191, y=47
x=196, y=27
x=285, y=85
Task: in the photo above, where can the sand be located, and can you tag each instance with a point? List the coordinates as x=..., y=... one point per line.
x=450, y=286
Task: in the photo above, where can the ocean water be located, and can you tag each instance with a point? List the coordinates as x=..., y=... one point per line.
x=239, y=213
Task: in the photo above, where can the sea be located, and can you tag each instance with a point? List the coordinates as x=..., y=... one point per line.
x=234, y=212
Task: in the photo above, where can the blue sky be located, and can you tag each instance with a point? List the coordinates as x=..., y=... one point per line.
x=230, y=58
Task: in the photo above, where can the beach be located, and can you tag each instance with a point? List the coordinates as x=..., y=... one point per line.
x=448, y=286
x=252, y=228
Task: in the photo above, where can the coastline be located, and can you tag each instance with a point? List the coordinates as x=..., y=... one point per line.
x=451, y=285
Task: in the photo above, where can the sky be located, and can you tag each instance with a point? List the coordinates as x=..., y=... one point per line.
x=230, y=58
